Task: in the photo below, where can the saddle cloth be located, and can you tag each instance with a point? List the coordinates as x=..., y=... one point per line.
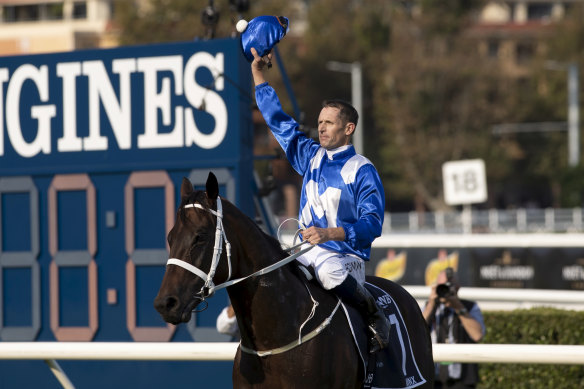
x=393, y=367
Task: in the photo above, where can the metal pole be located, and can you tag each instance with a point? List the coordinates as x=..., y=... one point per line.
x=357, y=101
x=573, y=110
x=467, y=219
x=573, y=116
x=59, y=374
x=356, y=95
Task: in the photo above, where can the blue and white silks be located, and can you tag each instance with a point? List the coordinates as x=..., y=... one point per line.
x=340, y=188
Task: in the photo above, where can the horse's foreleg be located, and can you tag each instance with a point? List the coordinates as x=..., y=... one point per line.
x=248, y=371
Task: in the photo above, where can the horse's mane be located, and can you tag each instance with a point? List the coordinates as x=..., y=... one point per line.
x=199, y=196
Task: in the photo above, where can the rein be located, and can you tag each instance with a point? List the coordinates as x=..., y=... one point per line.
x=298, y=342
x=209, y=287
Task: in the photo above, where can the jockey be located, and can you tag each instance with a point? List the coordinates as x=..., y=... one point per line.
x=342, y=200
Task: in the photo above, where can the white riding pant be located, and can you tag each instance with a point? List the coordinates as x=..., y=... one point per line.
x=332, y=268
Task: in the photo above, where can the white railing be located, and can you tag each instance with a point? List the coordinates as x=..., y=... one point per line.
x=509, y=353
x=476, y=240
x=225, y=351
x=490, y=221
x=50, y=352
x=507, y=294
x=201, y=351
x=119, y=351
x=508, y=299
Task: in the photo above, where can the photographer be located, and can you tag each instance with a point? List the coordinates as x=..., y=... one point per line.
x=453, y=320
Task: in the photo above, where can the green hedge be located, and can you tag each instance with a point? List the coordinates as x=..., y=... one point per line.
x=533, y=326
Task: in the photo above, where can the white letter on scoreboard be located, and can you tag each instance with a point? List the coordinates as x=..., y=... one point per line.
x=43, y=113
x=70, y=141
x=155, y=101
x=213, y=103
x=3, y=78
x=118, y=113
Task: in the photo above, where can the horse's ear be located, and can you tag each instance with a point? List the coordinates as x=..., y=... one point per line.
x=186, y=188
x=212, y=187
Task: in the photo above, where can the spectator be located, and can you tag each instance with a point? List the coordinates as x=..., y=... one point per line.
x=227, y=322
x=453, y=320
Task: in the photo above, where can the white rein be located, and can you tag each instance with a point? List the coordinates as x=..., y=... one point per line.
x=209, y=287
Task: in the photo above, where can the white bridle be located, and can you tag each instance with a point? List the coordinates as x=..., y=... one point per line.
x=217, y=250
x=209, y=287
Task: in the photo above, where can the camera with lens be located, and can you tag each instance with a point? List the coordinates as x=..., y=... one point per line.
x=448, y=288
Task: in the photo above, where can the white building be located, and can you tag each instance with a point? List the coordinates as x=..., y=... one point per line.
x=28, y=26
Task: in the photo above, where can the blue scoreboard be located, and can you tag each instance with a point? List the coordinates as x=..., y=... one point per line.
x=93, y=147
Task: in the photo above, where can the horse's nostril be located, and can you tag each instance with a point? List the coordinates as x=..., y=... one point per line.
x=165, y=304
x=171, y=302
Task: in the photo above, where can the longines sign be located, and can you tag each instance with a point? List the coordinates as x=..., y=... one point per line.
x=95, y=109
x=94, y=146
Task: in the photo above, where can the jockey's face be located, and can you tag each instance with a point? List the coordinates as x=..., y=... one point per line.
x=332, y=132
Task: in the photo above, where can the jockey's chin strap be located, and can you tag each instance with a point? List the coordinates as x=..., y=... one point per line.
x=209, y=287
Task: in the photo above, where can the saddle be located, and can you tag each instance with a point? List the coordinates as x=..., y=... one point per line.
x=394, y=366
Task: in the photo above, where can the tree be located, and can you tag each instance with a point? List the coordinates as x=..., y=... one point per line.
x=438, y=96
x=430, y=96
x=153, y=21
x=540, y=164
x=565, y=46
x=426, y=99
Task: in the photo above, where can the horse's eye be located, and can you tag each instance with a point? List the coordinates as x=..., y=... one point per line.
x=200, y=239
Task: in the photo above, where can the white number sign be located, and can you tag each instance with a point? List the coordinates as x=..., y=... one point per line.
x=465, y=182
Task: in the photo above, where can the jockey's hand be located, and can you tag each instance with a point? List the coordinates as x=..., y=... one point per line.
x=316, y=235
x=257, y=66
x=260, y=62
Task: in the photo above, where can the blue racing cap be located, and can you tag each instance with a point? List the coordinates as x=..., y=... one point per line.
x=263, y=33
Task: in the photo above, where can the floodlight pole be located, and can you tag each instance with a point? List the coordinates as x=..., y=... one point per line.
x=573, y=116
x=354, y=69
x=573, y=109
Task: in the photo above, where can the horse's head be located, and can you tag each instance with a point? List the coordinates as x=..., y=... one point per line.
x=191, y=242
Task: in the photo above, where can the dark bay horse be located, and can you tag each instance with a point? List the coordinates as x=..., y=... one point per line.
x=270, y=308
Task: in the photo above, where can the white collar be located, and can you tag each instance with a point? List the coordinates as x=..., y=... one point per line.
x=331, y=153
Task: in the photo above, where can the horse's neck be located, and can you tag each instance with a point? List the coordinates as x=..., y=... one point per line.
x=270, y=307
x=253, y=249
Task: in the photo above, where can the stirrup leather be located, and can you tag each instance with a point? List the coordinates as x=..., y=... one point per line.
x=377, y=337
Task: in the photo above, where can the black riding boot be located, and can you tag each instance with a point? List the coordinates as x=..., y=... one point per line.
x=356, y=295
